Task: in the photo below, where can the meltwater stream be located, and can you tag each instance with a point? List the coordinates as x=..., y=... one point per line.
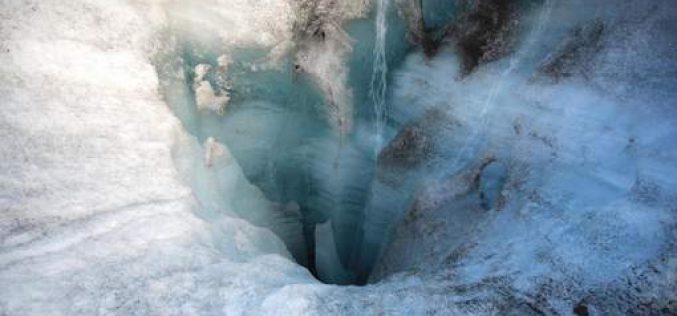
x=379, y=86
x=275, y=118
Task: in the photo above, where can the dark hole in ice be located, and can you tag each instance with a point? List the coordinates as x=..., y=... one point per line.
x=278, y=127
x=581, y=310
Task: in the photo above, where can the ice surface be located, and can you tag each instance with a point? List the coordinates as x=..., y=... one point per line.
x=569, y=211
x=530, y=193
x=95, y=218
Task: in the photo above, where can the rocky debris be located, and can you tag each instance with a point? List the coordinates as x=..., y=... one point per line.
x=434, y=210
x=312, y=21
x=429, y=38
x=413, y=147
x=321, y=48
x=575, y=53
x=452, y=187
x=411, y=12
x=485, y=32
x=408, y=149
x=414, y=144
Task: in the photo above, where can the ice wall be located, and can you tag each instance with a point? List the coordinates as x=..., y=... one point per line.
x=538, y=181
x=95, y=218
x=287, y=115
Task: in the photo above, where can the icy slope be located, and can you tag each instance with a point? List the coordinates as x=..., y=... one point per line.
x=94, y=217
x=551, y=180
x=540, y=182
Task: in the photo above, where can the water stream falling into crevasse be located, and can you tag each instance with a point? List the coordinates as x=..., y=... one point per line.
x=379, y=84
x=274, y=129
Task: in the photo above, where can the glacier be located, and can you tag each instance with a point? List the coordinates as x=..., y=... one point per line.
x=320, y=157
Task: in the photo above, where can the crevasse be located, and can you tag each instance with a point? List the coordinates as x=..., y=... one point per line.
x=230, y=157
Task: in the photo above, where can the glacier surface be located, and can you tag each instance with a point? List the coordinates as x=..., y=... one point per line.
x=164, y=157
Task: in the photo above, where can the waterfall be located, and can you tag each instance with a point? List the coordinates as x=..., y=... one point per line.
x=380, y=71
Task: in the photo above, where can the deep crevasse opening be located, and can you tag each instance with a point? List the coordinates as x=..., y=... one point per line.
x=303, y=120
x=274, y=115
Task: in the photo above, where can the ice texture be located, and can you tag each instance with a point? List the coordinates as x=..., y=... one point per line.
x=205, y=96
x=540, y=182
x=95, y=217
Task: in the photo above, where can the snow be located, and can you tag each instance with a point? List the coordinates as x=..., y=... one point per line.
x=108, y=205
x=579, y=210
x=95, y=216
